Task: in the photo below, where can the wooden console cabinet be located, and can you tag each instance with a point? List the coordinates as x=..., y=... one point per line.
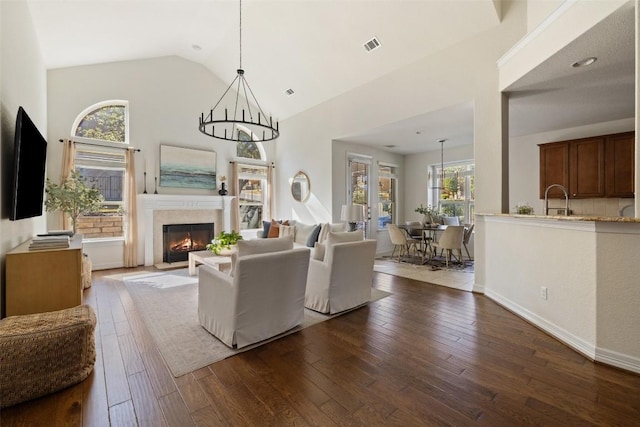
x=44, y=280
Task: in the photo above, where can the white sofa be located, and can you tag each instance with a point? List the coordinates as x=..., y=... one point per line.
x=262, y=298
x=342, y=278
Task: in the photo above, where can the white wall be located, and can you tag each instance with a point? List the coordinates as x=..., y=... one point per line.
x=566, y=268
x=590, y=272
x=538, y=11
x=524, y=170
x=166, y=96
x=618, y=296
x=463, y=72
x=22, y=83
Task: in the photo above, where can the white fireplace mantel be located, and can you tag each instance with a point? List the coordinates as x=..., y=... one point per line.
x=149, y=203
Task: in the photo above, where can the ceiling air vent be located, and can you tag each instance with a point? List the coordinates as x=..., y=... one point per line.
x=372, y=44
x=289, y=91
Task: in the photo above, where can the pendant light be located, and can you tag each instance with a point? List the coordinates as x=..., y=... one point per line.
x=440, y=185
x=229, y=125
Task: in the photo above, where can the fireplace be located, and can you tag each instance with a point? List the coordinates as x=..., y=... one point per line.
x=180, y=239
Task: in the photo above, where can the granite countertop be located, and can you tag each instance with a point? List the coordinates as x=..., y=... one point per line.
x=569, y=218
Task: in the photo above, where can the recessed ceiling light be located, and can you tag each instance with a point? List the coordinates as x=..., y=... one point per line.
x=584, y=62
x=196, y=47
x=390, y=146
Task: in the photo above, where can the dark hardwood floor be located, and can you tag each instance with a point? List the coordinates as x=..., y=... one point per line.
x=426, y=355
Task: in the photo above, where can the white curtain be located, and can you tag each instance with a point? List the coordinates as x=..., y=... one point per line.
x=235, y=191
x=68, y=164
x=271, y=199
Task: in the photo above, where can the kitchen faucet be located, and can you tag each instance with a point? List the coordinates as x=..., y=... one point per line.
x=566, y=198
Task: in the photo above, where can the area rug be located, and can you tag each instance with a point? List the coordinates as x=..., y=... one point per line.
x=168, y=304
x=436, y=263
x=461, y=279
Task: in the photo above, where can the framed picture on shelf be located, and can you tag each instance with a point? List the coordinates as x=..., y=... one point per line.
x=187, y=167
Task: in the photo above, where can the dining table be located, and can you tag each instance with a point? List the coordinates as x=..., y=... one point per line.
x=428, y=235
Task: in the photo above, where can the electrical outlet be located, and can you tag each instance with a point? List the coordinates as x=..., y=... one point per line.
x=543, y=292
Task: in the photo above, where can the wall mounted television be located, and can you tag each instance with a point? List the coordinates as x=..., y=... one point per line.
x=29, y=164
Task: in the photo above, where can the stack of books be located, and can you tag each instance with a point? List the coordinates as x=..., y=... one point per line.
x=42, y=242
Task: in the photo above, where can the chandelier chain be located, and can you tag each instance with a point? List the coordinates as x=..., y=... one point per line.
x=240, y=26
x=230, y=127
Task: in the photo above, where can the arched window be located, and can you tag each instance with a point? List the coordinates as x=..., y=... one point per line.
x=100, y=131
x=105, y=121
x=254, y=182
x=248, y=149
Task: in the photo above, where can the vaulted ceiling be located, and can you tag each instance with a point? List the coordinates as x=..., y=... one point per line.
x=315, y=48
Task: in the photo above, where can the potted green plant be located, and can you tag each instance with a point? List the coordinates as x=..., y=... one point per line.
x=429, y=214
x=73, y=197
x=524, y=209
x=224, y=241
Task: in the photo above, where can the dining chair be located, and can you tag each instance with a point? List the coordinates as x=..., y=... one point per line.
x=401, y=241
x=414, y=228
x=450, y=240
x=467, y=236
x=451, y=220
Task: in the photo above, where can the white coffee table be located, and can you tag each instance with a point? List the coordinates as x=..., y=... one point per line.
x=207, y=257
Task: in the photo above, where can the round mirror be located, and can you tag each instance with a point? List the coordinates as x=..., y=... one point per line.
x=300, y=187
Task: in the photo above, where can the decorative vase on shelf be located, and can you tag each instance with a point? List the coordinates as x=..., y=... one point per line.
x=223, y=190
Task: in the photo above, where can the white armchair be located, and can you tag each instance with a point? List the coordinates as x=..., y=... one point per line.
x=343, y=279
x=263, y=298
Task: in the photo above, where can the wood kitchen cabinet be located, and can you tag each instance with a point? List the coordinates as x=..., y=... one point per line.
x=43, y=280
x=554, y=168
x=620, y=164
x=586, y=168
x=601, y=166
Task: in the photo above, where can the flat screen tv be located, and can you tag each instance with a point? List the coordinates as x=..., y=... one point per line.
x=29, y=161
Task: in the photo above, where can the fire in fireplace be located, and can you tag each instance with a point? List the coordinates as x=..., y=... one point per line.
x=180, y=239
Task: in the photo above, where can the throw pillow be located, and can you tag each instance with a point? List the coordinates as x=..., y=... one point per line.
x=265, y=228
x=274, y=228
x=328, y=228
x=313, y=237
x=302, y=232
x=324, y=232
x=320, y=249
x=287, y=230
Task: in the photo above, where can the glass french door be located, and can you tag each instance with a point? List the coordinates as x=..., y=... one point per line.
x=358, y=187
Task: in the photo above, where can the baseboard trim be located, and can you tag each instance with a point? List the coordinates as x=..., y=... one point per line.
x=105, y=266
x=618, y=360
x=588, y=350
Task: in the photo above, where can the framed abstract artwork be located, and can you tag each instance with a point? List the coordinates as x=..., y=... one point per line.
x=187, y=167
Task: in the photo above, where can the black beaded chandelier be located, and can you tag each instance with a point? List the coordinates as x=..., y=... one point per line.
x=229, y=126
